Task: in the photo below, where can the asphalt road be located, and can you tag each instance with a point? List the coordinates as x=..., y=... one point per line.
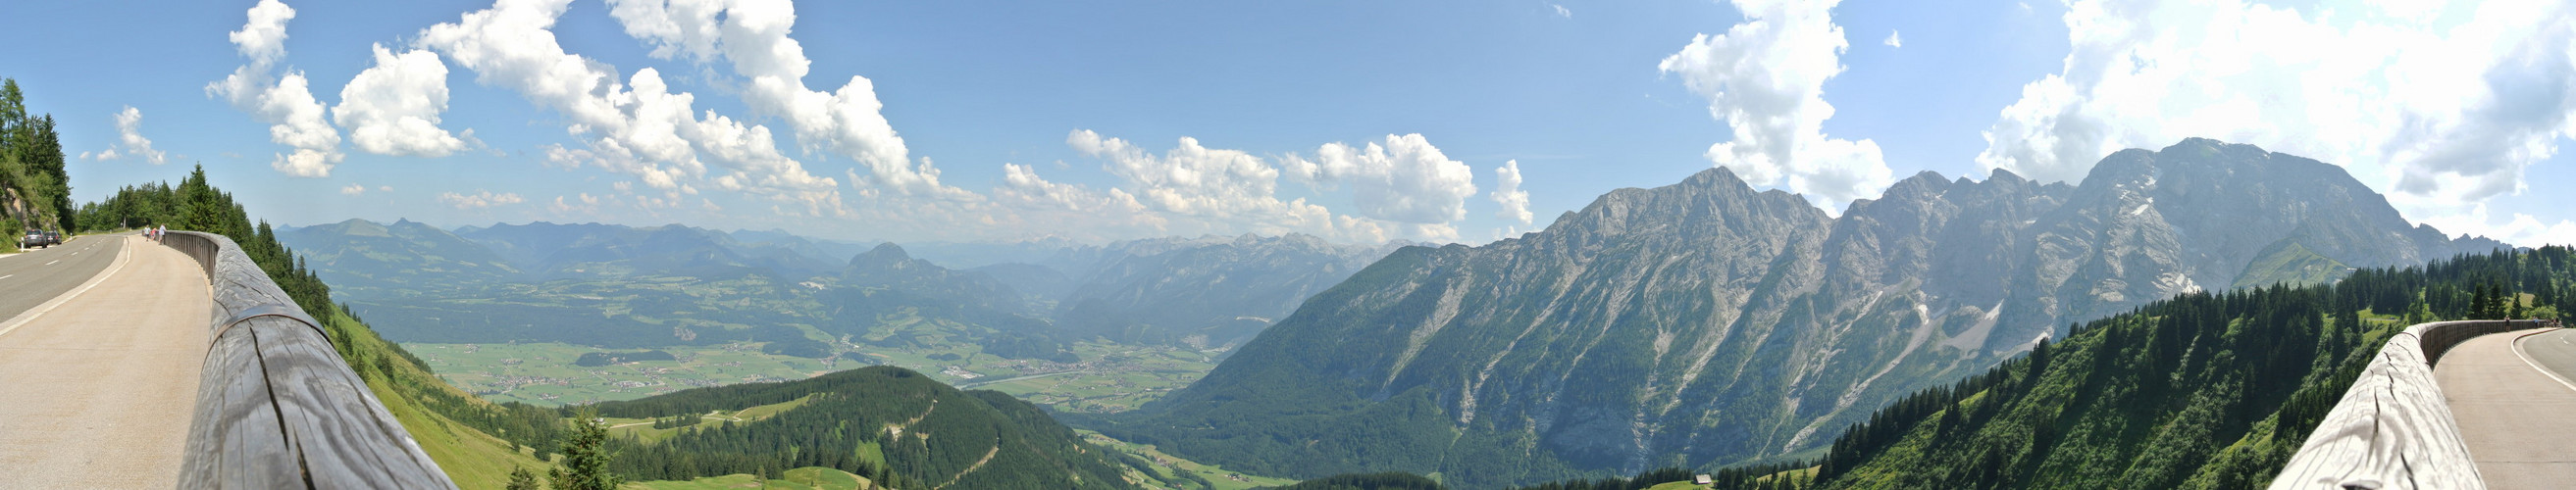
x=2512, y=415
x=98, y=391
x=2554, y=351
x=33, y=277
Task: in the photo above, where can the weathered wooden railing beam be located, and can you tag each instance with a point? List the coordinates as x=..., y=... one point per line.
x=276, y=406
x=2393, y=429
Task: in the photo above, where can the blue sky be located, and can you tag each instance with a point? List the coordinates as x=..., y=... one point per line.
x=1068, y=119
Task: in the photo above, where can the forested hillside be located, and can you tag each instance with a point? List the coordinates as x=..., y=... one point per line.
x=891, y=425
x=35, y=188
x=2207, y=390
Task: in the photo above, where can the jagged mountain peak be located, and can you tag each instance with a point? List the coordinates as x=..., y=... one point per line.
x=1707, y=322
x=1710, y=201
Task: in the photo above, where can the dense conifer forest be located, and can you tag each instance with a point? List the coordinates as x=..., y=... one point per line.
x=2206, y=390
x=889, y=424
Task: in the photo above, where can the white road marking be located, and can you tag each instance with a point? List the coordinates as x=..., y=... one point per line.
x=2535, y=365
x=30, y=315
x=54, y=262
x=8, y=276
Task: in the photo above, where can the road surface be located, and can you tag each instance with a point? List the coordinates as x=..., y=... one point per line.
x=97, y=389
x=2516, y=418
x=32, y=277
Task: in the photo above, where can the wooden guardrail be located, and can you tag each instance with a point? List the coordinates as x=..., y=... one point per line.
x=2392, y=429
x=276, y=406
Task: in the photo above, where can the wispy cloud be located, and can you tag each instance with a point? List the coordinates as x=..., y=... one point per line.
x=1511, y=202
x=478, y=200
x=130, y=140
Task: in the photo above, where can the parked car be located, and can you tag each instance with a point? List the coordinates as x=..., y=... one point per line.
x=34, y=238
x=53, y=238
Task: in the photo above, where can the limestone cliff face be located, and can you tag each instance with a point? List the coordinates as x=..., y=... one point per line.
x=1708, y=323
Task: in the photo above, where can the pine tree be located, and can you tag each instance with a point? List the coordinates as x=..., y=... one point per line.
x=585, y=457
x=2512, y=305
x=521, y=479
x=2478, y=304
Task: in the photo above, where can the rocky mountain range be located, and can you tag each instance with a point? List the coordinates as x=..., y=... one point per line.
x=1706, y=323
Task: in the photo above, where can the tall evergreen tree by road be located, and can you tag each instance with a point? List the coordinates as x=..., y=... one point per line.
x=31, y=165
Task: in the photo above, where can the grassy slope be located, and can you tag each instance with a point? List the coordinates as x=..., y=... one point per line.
x=1167, y=466
x=470, y=457
x=642, y=428
x=800, y=478
x=2289, y=263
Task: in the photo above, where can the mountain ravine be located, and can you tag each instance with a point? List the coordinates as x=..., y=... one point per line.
x=1705, y=323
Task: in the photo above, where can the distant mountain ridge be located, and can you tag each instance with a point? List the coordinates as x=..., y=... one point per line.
x=403, y=258
x=591, y=281
x=1707, y=323
x=1207, y=292
x=592, y=249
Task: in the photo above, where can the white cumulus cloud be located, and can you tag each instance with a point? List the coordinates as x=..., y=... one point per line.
x=637, y=126
x=392, y=108
x=263, y=39
x=753, y=36
x=478, y=200
x=285, y=102
x=1512, y=202
x=1561, y=12
x=353, y=189
x=1765, y=78
x=1893, y=41
x=2445, y=103
x=1191, y=179
x=1405, y=180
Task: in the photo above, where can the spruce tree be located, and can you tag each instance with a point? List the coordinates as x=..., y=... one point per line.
x=521, y=479
x=585, y=457
x=2512, y=305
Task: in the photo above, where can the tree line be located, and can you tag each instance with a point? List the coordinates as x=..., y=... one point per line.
x=35, y=186
x=2205, y=390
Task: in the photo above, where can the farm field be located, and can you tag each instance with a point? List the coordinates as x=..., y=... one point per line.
x=1111, y=377
x=1173, y=466
x=801, y=478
